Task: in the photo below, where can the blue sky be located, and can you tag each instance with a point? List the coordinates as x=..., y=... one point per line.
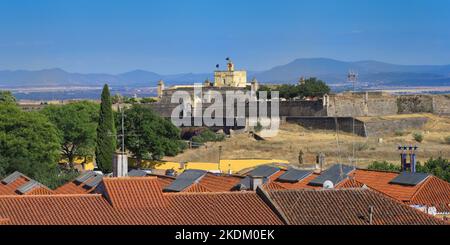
x=176, y=36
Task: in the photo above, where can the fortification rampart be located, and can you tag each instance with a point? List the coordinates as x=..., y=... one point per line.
x=441, y=104
x=361, y=104
x=338, y=110
x=344, y=124
x=380, y=126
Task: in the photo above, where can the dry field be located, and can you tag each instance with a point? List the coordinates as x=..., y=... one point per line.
x=292, y=138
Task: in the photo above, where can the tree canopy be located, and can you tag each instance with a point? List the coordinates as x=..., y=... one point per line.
x=312, y=87
x=148, y=136
x=106, y=133
x=77, y=124
x=7, y=97
x=29, y=143
x=384, y=166
x=439, y=167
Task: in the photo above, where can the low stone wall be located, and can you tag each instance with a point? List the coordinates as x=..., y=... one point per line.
x=286, y=108
x=302, y=108
x=390, y=126
x=361, y=104
x=441, y=104
x=408, y=104
x=344, y=124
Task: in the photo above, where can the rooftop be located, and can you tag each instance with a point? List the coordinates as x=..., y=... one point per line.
x=346, y=207
x=140, y=200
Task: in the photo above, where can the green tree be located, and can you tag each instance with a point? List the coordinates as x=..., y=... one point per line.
x=57, y=177
x=149, y=136
x=116, y=98
x=313, y=87
x=265, y=88
x=7, y=97
x=29, y=143
x=106, y=132
x=77, y=124
x=439, y=167
x=384, y=166
x=289, y=91
x=208, y=136
x=147, y=100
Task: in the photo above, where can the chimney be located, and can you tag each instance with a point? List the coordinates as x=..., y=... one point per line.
x=320, y=160
x=255, y=182
x=370, y=215
x=120, y=165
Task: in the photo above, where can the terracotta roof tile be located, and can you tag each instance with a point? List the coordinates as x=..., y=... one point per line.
x=227, y=208
x=379, y=181
x=296, y=185
x=271, y=185
x=346, y=207
x=350, y=183
x=139, y=200
x=40, y=191
x=433, y=191
x=57, y=210
x=216, y=183
x=10, y=189
x=197, y=188
x=164, y=181
x=133, y=192
x=74, y=187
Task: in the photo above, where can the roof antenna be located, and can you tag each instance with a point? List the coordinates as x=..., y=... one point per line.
x=338, y=148
x=353, y=78
x=120, y=107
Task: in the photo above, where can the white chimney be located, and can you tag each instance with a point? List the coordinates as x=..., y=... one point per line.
x=256, y=181
x=120, y=165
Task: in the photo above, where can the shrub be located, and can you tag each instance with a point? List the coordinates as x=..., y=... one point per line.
x=447, y=140
x=399, y=132
x=384, y=166
x=361, y=146
x=148, y=100
x=418, y=136
x=258, y=127
x=439, y=167
x=208, y=136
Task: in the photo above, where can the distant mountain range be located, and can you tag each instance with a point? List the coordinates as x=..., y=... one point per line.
x=334, y=72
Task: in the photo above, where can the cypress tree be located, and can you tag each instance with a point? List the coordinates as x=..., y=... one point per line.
x=106, y=132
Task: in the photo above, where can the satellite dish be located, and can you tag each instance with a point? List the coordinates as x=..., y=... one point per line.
x=328, y=184
x=432, y=211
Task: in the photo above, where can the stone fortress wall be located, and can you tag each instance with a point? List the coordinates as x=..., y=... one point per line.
x=343, y=111
x=361, y=104
x=322, y=113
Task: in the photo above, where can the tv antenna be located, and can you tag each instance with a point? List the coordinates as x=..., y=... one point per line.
x=121, y=135
x=353, y=78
